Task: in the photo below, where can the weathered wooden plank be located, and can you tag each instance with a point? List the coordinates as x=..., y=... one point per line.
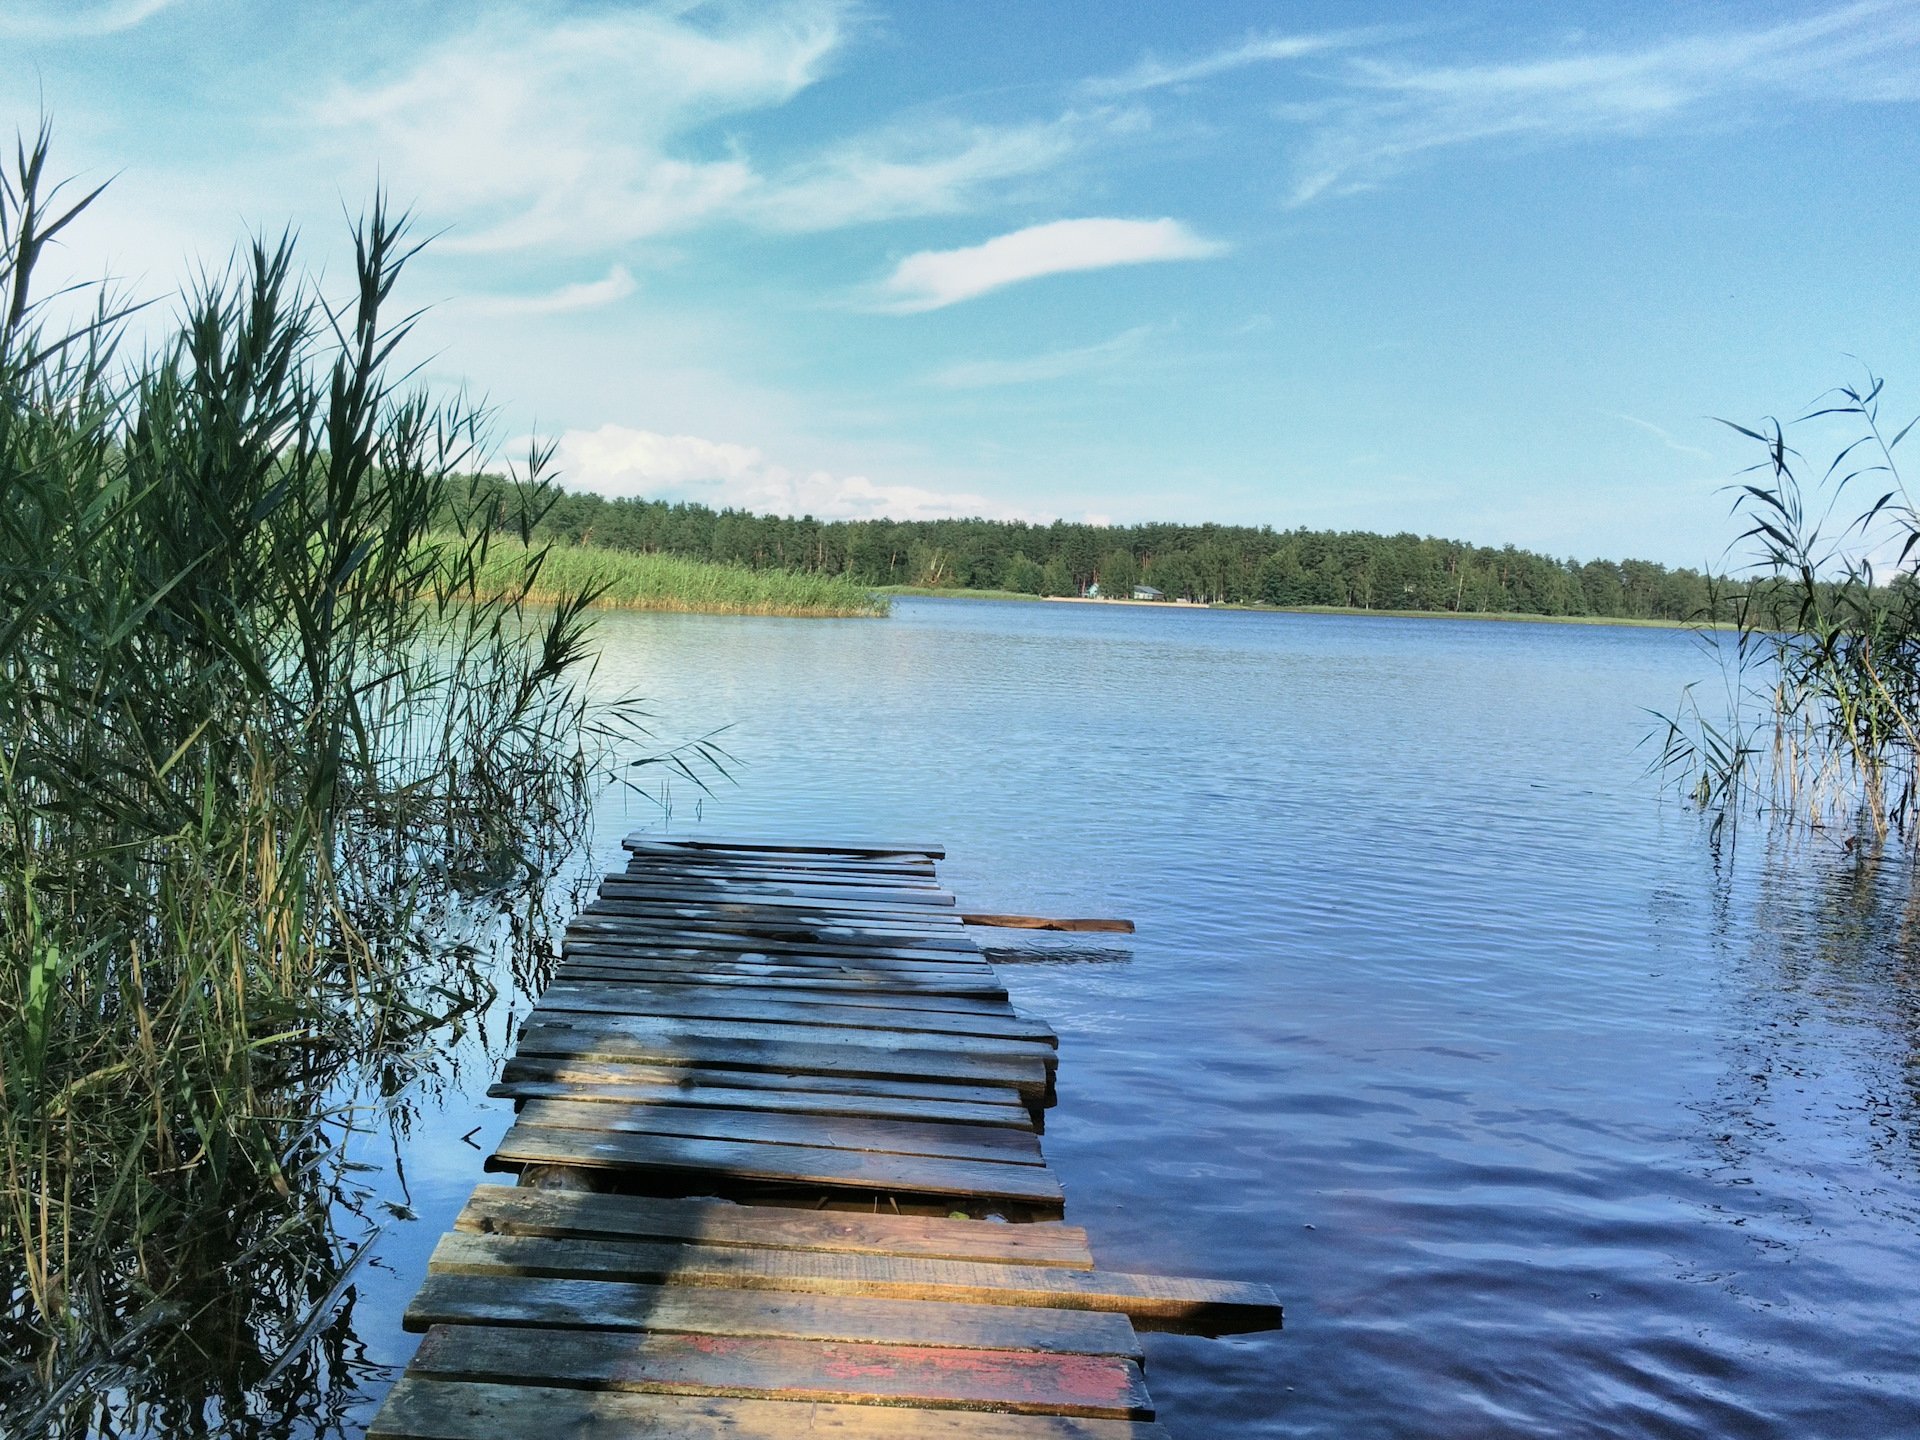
x=781, y=1102
x=803, y=909
x=869, y=989
x=920, y=878
x=788, y=886
x=688, y=1002
x=852, y=906
x=844, y=1041
x=452, y=1410
x=506, y=1298
x=641, y=840
x=722, y=1054
x=541, y=1067
x=776, y=874
x=797, y=924
x=1212, y=1304
x=850, y=988
x=606, y=936
x=902, y=874
x=885, y=868
x=889, y=989
x=580, y=1214
x=835, y=1132
x=1044, y=922
x=641, y=945
x=613, y=932
x=681, y=890
x=763, y=1368
x=718, y=1160
x=693, y=937
x=748, y=920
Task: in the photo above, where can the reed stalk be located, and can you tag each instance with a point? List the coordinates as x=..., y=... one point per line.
x=1822, y=677
x=268, y=746
x=633, y=581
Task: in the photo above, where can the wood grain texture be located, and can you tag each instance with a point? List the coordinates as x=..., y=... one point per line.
x=778, y=1102
x=510, y=1210
x=713, y=938
x=722, y=1161
x=835, y=1371
x=1140, y=1297
x=881, y=991
x=598, y=1303
x=420, y=1409
x=639, y=840
x=834, y=1132
x=687, y=1004
x=932, y=906
x=797, y=1022
x=597, y=1071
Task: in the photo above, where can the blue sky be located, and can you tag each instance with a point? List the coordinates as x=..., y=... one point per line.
x=1476, y=270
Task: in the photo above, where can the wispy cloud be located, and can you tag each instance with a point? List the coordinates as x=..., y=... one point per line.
x=935, y=278
x=927, y=170
x=576, y=134
x=1051, y=365
x=593, y=132
x=618, y=461
x=614, y=287
x=1666, y=438
x=1386, y=113
x=76, y=20
x=1156, y=74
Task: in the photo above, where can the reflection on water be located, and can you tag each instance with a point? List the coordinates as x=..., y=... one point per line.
x=1068, y=952
x=259, y=1328
x=1542, y=1117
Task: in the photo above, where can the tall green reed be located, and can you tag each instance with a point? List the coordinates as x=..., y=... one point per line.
x=258, y=741
x=1820, y=723
x=621, y=579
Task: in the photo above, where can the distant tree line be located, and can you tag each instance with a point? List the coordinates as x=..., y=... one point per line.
x=1233, y=564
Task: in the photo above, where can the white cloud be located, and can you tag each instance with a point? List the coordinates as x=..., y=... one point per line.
x=571, y=135
x=931, y=170
x=585, y=134
x=1665, y=437
x=73, y=21
x=1052, y=365
x=615, y=286
x=1386, y=113
x=1153, y=74
x=935, y=278
x=618, y=461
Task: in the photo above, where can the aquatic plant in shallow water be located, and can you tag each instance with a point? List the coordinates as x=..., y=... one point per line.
x=1821, y=721
x=630, y=581
x=265, y=757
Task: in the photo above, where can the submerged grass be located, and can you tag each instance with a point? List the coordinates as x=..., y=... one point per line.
x=263, y=755
x=629, y=581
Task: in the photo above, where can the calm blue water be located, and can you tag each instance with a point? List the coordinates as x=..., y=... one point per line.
x=1542, y=1118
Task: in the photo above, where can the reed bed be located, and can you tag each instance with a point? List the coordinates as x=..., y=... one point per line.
x=1819, y=722
x=628, y=581
x=268, y=773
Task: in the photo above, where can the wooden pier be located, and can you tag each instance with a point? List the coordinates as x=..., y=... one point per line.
x=780, y=1175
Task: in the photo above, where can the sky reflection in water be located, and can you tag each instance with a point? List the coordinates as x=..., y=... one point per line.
x=1542, y=1117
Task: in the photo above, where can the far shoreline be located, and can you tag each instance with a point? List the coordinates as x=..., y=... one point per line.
x=1500, y=616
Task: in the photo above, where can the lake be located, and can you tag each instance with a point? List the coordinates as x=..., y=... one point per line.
x=1543, y=1117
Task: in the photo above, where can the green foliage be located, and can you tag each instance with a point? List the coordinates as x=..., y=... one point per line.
x=1119, y=573
x=1023, y=575
x=1222, y=564
x=259, y=744
x=631, y=581
x=1823, y=673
